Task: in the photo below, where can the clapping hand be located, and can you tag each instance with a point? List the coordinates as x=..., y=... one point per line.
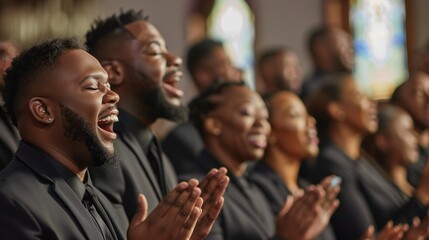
x=174, y=218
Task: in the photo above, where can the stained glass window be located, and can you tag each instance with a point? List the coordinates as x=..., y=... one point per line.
x=232, y=22
x=379, y=33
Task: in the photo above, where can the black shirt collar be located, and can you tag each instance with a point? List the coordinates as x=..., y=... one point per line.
x=77, y=186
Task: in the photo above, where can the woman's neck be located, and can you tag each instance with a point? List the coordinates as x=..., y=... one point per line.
x=237, y=167
x=285, y=166
x=398, y=174
x=348, y=140
x=423, y=138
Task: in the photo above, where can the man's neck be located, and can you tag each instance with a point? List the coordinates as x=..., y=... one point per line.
x=62, y=155
x=140, y=113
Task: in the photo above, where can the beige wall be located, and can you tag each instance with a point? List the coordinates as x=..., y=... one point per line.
x=421, y=8
x=287, y=23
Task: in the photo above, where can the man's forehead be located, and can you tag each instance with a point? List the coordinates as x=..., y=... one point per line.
x=75, y=56
x=143, y=30
x=78, y=61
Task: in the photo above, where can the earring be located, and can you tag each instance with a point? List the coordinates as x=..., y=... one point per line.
x=50, y=119
x=217, y=131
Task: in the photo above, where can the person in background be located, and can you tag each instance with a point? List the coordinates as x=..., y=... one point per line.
x=394, y=147
x=413, y=96
x=280, y=69
x=144, y=74
x=59, y=97
x=421, y=60
x=293, y=139
x=207, y=62
x=331, y=50
x=233, y=122
x=9, y=137
x=345, y=116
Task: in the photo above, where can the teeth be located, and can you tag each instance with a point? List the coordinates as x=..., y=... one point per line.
x=257, y=137
x=109, y=119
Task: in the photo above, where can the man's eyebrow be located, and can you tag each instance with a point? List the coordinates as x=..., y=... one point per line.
x=96, y=76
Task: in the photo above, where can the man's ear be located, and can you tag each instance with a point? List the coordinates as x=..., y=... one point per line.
x=41, y=110
x=212, y=126
x=115, y=70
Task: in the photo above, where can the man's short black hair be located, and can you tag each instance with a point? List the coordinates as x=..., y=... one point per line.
x=271, y=53
x=26, y=67
x=316, y=35
x=199, y=51
x=103, y=27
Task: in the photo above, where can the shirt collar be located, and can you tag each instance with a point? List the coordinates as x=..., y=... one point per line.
x=77, y=186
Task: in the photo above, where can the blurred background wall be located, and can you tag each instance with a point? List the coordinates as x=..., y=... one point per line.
x=278, y=22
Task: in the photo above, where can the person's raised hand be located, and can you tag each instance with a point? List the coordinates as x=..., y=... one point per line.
x=174, y=218
x=419, y=229
x=298, y=219
x=332, y=186
x=212, y=187
x=389, y=232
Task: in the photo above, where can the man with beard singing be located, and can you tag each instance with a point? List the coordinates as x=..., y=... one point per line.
x=59, y=98
x=144, y=74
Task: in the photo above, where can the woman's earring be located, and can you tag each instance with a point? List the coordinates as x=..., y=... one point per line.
x=216, y=131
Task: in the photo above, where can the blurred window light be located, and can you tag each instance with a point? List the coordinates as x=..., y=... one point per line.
x=378, y=27
x=232, y=22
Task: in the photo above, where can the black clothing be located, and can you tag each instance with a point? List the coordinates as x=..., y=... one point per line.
x=40, y=201
x=276, y=192
x=311, y=84
x=135, y=173
x=91, y=204
x=415, y=170
x=366, y=197
x=154, y=156
x=246, y=213
x=85, y=192
x=182, y=145
x=9, y=139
